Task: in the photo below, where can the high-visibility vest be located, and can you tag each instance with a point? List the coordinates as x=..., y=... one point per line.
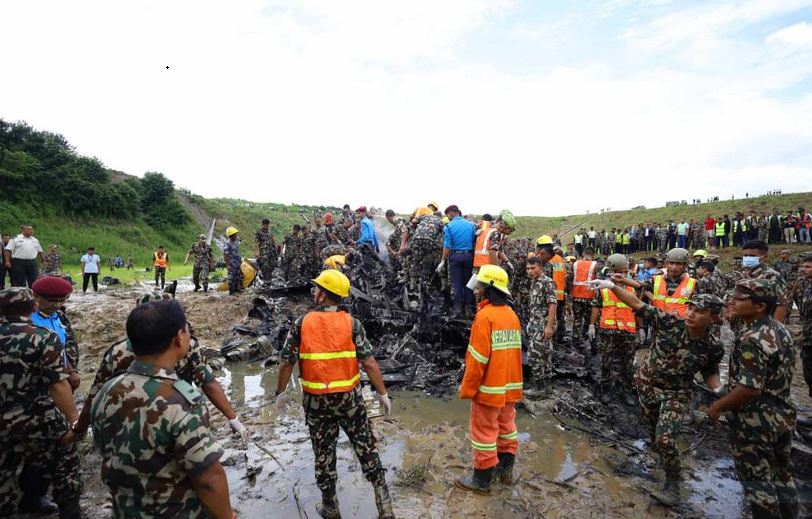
x=626, y=239
x=327, y=354
x=493, y=363
x=615, y=314
x=720, y=229
x=559, y=276
x=159, y=260
x=582, y=272
x=677, y=303
x=482, y=249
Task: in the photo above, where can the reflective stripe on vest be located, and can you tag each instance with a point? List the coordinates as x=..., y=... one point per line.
x=720, y=229
x=580, y=277
x=327, y=353
x=159, y=261
x=482, y=249
x=677, y=303
x=559, y=276
x=615, y=314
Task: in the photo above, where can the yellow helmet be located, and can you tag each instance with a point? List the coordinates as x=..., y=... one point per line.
x=335, y=261
x=231, y=231
x=435, y=205
x=491, y=275
x=333, y=281
x=701, y=252
x=422, y=211
x=544, y=240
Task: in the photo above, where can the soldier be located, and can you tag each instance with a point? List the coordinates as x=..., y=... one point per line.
x=292, y=247
x=159, y=458
x=51, y=292
x=204, y=262
x=541, y=317
x=672, y=291
x=36, y=411
x=754, y=264
x=52, y=262
x=707, y=282
x=504, y=226
x=618, y=333
x=265, y=250
x=393, y=243
x=231, y=254
x=786, y=266
x=426, y=250
x=804, y=292
x=664, y=380
x=328, y=345
x=583, y=271
x=761, y=415
x=518, y=252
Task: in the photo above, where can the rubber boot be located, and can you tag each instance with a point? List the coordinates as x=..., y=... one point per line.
x=504, y=471
x=329, y=506
x=70, y=509
x=479, y=481
x=667, y=493
x=205, y=287
x=383, y=502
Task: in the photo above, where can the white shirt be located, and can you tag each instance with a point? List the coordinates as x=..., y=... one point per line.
x=592, y=235
x=24, y=248
x=91, y=263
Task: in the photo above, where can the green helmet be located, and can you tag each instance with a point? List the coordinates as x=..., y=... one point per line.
x=677, y=255
x=507, y=217
x=617, y=262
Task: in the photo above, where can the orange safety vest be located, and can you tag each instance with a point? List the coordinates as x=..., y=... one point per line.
x=159, y=261
x=559, y=276
x=482, y=249
x=327, y=354
x=615, y=314
x=582, y=272
x=675, y=304
x=493, y=363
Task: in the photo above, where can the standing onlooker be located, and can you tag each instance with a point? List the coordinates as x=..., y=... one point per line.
x=789, y=228
x=52, y=263
x=775, y=224
x=21, y=255
x=130, y=263
x=682, y=233
x=90, y=269
x=805, y=223
x=710, y=230
x=160, y=260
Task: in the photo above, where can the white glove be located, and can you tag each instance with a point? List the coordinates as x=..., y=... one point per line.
x=239, y=428
x=721, y=391
x=642, y=334
x=440, y=267
x=599, y=284
x=386, y=404
x=282, y=401
x=590, y=332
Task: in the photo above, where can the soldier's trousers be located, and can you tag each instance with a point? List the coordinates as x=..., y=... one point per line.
x=266, y=265
x=200, y=275
x=160, y=275
x=617, y=354
x=581, y=313
x=493, y=430
x=764, y=469
x=324, y=415
x=56, y=464
x=539, y=353
x=560, y=321
x=806, y=357
x=425, y=257
x=662, y=412
x=234, y=279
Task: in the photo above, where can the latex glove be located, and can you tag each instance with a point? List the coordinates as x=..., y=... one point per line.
x=642, y=334
x=386, y=404
x=721, y=391
x=440, y=267
x=600, y=284
x=590, y=332
x=239, y=428
x=282, y=401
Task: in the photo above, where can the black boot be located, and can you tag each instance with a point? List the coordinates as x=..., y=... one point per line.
x=70, y=509
x=38, y=505
x=329, y=506
x=383, y=502
x=504, y=471
x=479, y=481
x=197, y=287
x=205, y=287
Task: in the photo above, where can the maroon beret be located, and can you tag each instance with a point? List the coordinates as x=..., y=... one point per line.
x=52, y=286
x=362, y=209
x=452, y=207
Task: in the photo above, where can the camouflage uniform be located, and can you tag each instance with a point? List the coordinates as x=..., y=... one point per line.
x=760, y=272
x=539, y=351
x=231, y=251
x=393, y=243
x=326, y=413
x=664, y=380
x=333, y=250
x=203, y=262
x=153, y=433
x=517, y=251
x=268, y=253
x=31, y=360
x=805, y=297
x=426, y=250
x=51, y=264
x=617, y=349
x=293, y=260
x=763, y=357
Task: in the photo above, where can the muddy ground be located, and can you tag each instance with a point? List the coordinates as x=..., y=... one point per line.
x=577, y=459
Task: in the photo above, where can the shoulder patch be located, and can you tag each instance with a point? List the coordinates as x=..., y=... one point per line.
x=188, y=391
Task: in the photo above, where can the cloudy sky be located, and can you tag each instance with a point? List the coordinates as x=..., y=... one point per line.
x=543, y=106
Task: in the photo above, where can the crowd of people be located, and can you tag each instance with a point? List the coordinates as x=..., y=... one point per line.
x=146, y=407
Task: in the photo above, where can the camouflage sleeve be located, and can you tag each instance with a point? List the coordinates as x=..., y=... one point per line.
x=754, y=363
x=781, y=291
x=195, y=448
x=496, y=241
x=712, y=366
x=197, y=370
x=52, y=370
x=647, y=286
x=359, y=336
x=112, y=362
x=597, y=302
x=290, y=350
x=549, y=291
x=71, y=344
x=653, y=315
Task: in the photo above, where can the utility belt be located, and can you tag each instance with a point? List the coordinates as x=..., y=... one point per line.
x=462, y=252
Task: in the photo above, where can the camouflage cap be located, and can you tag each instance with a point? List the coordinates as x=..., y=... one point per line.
x=805, y=256
x=707, y=302
x=201, y=236
x=756, y=287
x=16, y=295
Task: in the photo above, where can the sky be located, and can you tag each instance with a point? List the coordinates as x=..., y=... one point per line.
x=545, y=107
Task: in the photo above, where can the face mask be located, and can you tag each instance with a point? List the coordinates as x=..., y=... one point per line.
x=750, y=262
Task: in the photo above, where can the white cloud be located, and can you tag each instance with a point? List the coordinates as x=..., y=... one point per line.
x=368, y=102
x=796, y=37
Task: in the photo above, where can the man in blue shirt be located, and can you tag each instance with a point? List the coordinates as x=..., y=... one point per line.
x=459, y=236
x=367, y=229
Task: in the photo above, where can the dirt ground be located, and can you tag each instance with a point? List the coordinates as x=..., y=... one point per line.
x=565, y=472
